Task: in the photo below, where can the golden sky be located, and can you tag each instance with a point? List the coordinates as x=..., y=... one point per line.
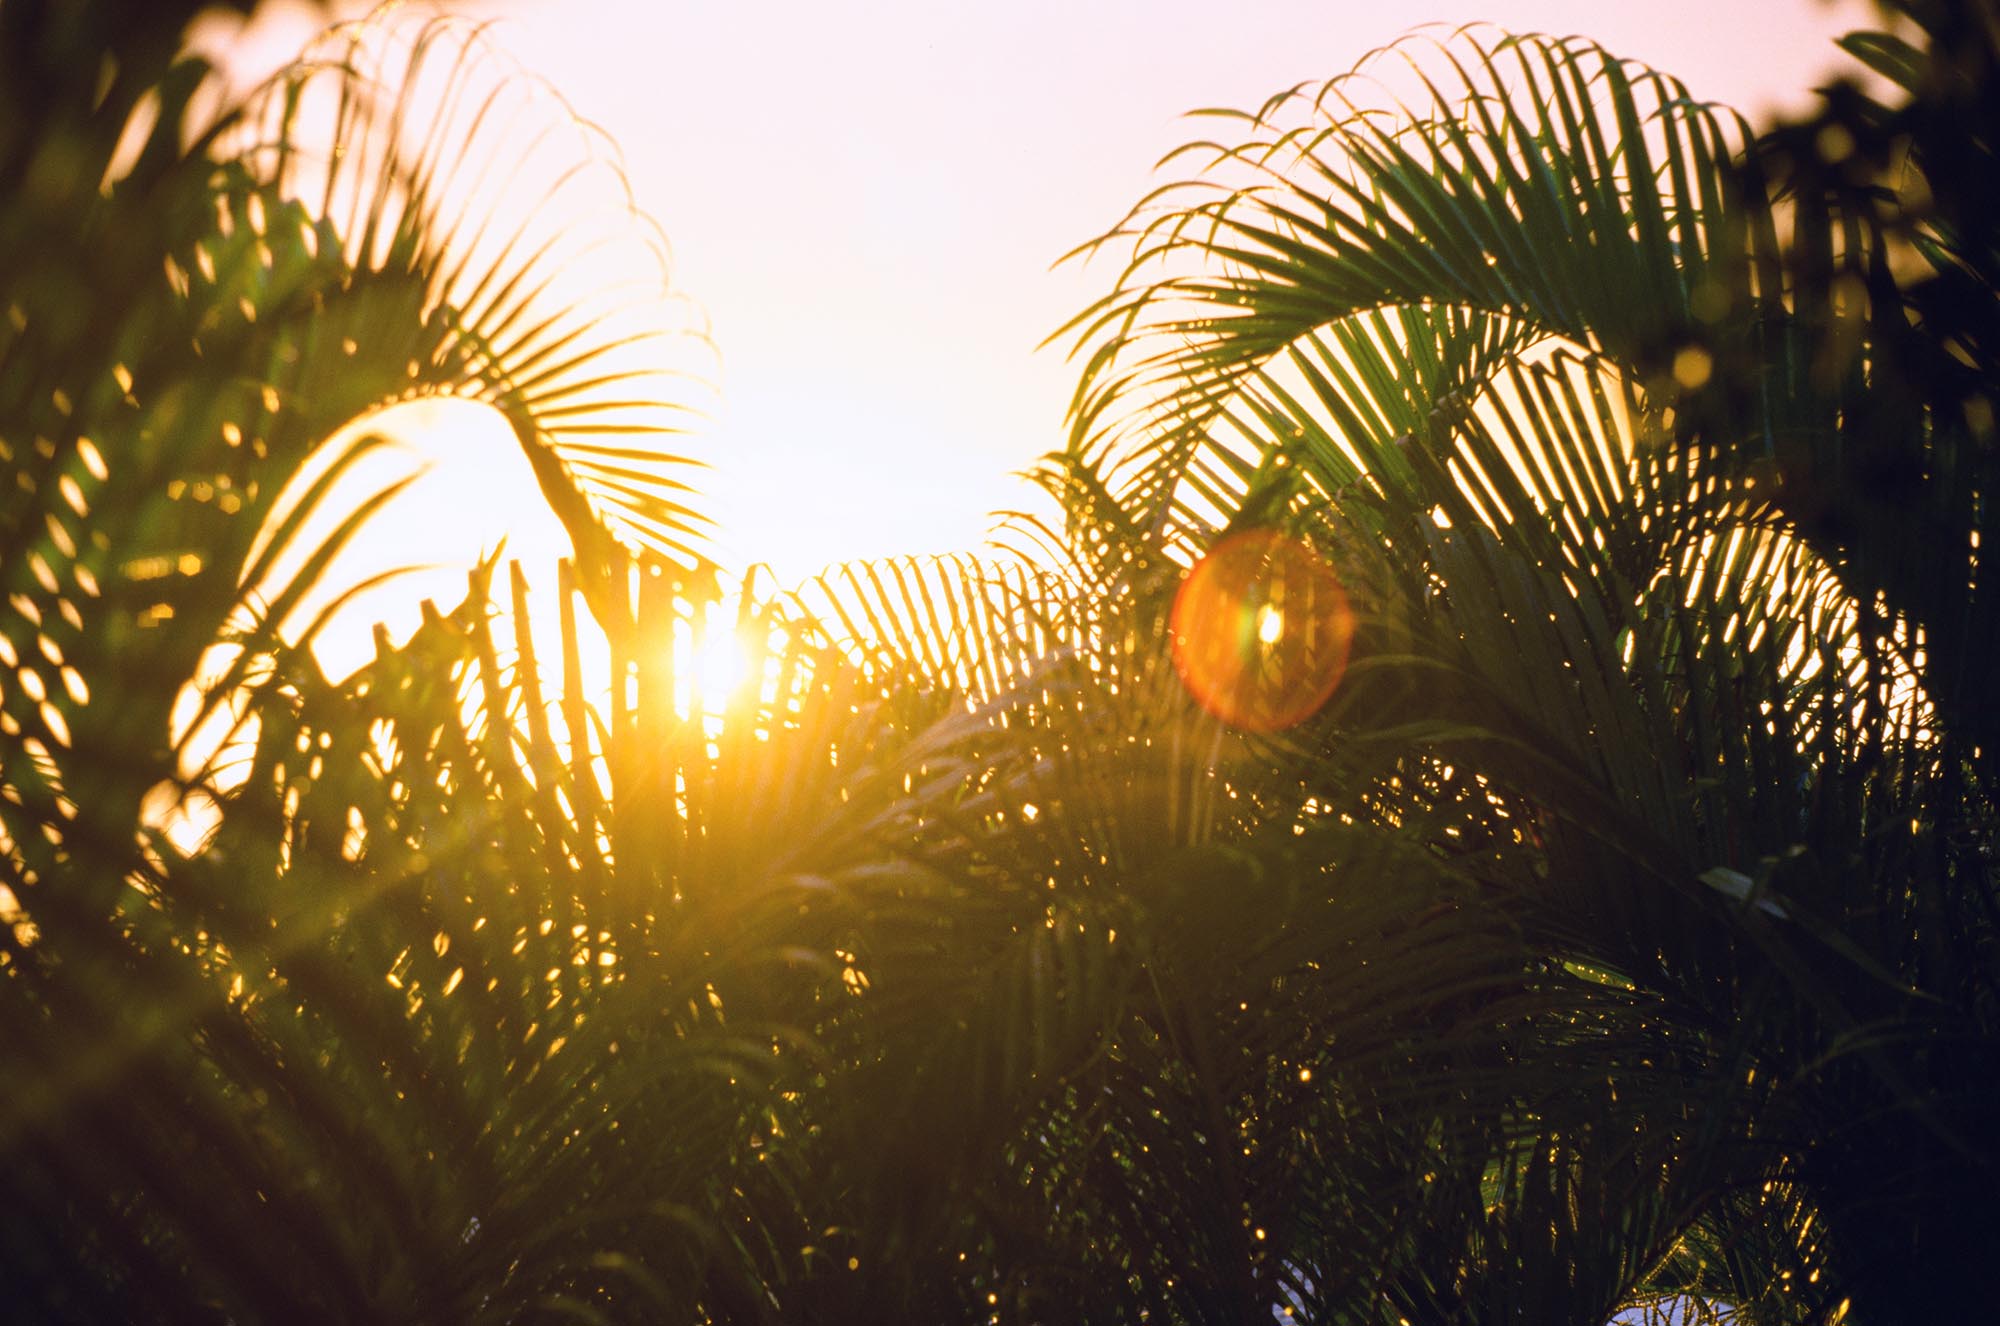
x=867, y=199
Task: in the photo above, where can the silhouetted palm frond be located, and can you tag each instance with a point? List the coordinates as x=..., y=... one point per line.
x=209, y=1058
x=1446, y=339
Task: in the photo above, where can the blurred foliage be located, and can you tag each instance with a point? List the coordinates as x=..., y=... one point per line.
x=1617, y=943
x=1872, y=400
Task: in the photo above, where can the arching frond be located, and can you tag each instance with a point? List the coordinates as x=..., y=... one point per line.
x=493, y=252
x=1520, y=189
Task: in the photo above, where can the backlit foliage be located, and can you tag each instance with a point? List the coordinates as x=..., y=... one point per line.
x=1608, y=936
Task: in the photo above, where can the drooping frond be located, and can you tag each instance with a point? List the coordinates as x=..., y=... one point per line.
x=1480, y=193
x=493, y=252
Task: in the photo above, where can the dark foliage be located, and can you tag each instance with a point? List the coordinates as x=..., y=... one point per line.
x=1617, y=939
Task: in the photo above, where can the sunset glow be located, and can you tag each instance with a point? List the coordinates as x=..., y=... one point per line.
x=1407, y=730
x=869, y=206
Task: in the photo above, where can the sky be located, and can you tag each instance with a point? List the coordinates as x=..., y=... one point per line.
x=867, y=199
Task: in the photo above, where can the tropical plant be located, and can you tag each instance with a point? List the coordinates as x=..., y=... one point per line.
x=1455, y=340
x=365, y=1051
x=1440, y=831
x=1893, y=321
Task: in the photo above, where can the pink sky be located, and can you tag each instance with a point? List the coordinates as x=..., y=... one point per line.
x=867, y=199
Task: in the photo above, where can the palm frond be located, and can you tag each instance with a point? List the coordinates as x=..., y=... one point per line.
x=494, y=253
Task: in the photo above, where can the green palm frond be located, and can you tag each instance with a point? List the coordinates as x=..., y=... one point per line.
x=1615, y=939
x=202, y=317
x=1448, y=338
x=495, y=254
x=1525, y=180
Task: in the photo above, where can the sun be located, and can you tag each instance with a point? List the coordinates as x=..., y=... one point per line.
x=722, y=665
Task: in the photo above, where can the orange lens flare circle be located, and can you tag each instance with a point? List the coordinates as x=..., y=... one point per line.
x=1261, y=630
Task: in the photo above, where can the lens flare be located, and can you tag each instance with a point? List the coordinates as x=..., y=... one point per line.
x=1261, y=630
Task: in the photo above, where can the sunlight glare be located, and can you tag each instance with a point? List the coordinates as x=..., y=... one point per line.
x=722, y=665
x=471, y=492
x=1261, y=630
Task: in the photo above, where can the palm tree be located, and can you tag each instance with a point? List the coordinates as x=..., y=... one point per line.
x=1719, y=855
x=340, y=1061
x=1892, y=263
x=1616, y=938
x=1616, y=941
